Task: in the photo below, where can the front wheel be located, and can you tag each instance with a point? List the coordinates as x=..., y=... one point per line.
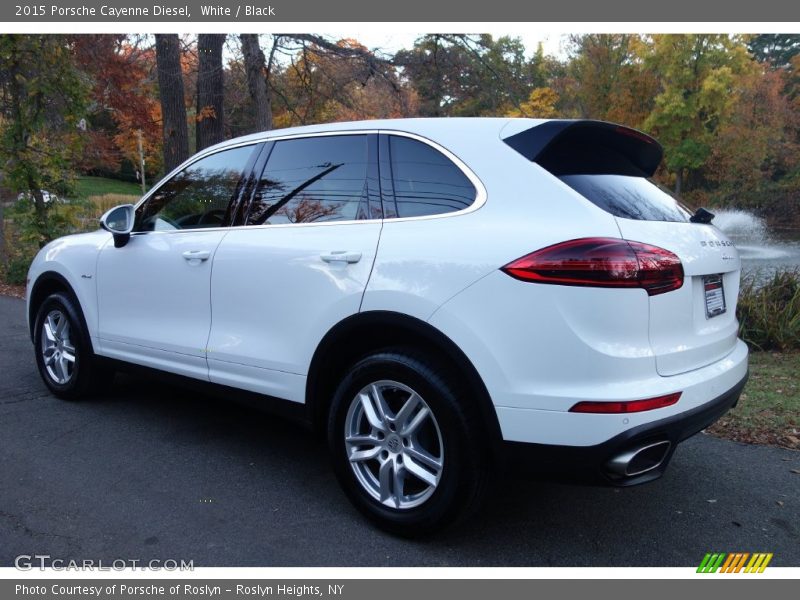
x=406, y=444
x=63, y=352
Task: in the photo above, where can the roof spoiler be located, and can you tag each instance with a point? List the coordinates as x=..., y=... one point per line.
x=578, y=146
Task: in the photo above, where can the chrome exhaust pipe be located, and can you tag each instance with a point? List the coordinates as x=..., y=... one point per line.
x=639, y=460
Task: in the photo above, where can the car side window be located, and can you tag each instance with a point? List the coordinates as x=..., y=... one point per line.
x=199, y=196
x=425, y=181
x=312, y=180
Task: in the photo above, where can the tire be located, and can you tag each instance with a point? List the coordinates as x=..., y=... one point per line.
x=63, y=350
x=441, y=457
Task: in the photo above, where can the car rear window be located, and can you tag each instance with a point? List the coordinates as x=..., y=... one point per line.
x=606, y=163
x=628, y=197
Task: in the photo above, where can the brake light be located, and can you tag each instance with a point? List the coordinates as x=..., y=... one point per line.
x=601, y=262
x=635, y=134
x=630, y=406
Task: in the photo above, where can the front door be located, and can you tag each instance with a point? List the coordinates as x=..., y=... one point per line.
x=154, y=293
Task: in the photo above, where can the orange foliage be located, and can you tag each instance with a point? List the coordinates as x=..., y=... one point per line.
x=123, y=94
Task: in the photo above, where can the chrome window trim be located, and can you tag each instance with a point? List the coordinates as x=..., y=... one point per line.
x=480, y=189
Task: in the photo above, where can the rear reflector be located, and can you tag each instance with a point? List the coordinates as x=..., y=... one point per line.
x=630, y=406
x=601, y=262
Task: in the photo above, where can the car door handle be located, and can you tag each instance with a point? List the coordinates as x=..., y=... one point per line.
x=341, y=256
x=197, y=255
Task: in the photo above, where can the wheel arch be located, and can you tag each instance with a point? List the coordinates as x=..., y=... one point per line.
x=366, y=332
x=47, y=283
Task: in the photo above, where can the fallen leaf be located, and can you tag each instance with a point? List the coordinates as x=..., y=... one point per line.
x=779, y=502
x=795, y=471
x=711, y=501
x=736, y=523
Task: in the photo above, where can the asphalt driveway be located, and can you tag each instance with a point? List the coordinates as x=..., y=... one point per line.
x=150, y=471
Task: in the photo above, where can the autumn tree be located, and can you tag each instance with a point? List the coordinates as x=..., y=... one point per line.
x=467, y=75
x=335, y=80
x=606, y=79
x=698, y=73
x=758, y=144
x=43, y=98
x=175, y=132
x=210, y=128
x=120, y=73
x=541, y=104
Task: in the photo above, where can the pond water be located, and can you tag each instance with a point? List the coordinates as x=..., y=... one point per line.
x=763, y=250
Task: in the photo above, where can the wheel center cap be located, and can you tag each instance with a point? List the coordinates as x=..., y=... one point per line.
x=394, y=443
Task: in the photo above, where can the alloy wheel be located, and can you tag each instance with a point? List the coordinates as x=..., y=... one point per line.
x=58, y=350
x=394, y=444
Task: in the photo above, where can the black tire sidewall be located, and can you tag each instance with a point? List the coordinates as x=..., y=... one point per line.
x=79, y=381
x=462, y=451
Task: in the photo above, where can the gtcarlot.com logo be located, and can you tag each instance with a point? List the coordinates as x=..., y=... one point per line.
x=734, y=562
x=28, y=562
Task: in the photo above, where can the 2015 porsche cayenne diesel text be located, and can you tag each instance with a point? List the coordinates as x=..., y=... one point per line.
x=435, y=294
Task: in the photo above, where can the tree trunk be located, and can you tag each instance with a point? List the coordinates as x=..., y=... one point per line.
x=210, y=90
x=678, y=182
x=173, y=103
x=257, y=80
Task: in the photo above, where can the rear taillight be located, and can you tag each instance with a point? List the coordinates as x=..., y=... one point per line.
x=601, y=262
x=628, y=406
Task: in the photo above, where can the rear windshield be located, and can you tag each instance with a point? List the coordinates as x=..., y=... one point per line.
x=628, y=197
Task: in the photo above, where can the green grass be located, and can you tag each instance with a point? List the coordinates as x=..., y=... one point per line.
x=100, y=186
x=769, y=409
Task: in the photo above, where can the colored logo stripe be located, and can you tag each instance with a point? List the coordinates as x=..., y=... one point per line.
x=758, y=563
x=734, y=562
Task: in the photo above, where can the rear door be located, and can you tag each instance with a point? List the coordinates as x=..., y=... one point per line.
x=298, y=265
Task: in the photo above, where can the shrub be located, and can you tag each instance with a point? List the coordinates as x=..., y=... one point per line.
x=24, y=234
x=16, y=268
x=769, y=312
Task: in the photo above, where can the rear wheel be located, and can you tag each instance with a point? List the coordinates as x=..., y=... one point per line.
x=63, y=350
x=406, y=445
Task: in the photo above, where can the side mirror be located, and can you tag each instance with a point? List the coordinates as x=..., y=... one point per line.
x=119, y=222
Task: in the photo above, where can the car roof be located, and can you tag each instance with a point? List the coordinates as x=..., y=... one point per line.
x=439, y=129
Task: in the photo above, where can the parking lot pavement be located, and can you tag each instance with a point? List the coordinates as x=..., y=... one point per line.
x=155, y=472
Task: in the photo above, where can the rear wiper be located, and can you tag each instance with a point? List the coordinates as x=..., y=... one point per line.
x=702, y=215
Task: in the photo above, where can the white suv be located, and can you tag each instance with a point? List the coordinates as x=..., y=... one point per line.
x=437, y=295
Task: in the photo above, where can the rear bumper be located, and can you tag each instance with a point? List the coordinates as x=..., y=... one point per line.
x=553, y=424
x=589, y=464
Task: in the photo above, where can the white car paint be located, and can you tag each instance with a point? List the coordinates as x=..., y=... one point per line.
x=252, y=313
x=153, y=299
x=274, y=298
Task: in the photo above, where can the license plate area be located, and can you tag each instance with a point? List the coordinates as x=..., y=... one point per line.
x=714, y=294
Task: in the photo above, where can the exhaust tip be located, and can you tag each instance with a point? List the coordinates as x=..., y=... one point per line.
x=639, y=460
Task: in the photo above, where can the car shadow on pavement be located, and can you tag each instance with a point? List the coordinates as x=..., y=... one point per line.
x=149, y=469
x=670, y=521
